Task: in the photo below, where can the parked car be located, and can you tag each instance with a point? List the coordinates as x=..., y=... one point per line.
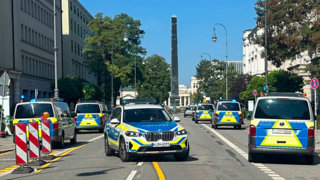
x=188, y=111
x=62, y=125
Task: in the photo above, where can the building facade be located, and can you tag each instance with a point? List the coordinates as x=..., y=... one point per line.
x=238, y=66
x=26, y=46
x=75, y=19
x=184, y=99
x=254, y=63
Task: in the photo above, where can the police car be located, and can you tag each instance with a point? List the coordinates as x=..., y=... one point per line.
x=203, y=112
x=91, y=115
x=227, y=113
x=62, y=125
x=144, y=129
x=282, y=123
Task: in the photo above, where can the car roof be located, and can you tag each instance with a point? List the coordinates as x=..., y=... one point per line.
x=283, y=97
x=227, y=102
x=88, y=103
x=142, y=106
x=205, y=104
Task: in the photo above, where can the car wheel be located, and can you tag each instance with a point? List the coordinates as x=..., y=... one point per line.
x=181, y=156
x=309, y=159
x=100, y=130
x=124, y=155
x=239, y=126
x=252, y=157
x=107, y=148
x=74, y=139
x=60, y=144
x=196, y=121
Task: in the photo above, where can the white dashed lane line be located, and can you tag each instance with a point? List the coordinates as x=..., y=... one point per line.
x=260, y=166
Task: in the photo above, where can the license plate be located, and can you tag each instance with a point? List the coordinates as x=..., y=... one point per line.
x=228, y=116
x=160, y=144
x=88, y=119
x=281, y=131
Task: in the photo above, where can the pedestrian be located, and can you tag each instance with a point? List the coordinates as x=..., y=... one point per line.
x=7, y=124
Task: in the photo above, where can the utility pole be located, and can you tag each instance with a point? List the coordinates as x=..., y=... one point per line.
x=266, y=45
x=55, y=48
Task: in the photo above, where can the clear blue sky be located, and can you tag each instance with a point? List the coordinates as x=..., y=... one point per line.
x=195, y=24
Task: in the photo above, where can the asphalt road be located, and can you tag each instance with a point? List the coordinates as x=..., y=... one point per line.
x=215, y=154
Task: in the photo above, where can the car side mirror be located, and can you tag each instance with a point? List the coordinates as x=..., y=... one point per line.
x=73, y=114
x=249, y=116
x=115, y=121
x=176, y=119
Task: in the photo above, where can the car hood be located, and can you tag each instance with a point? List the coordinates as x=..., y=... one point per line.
x=156, y=126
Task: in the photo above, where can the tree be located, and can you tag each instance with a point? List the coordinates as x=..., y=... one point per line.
x=239, y=85
x=278, y=81
x=107, y=53
x=293, y=27
x=91, y=92
x=156, y=79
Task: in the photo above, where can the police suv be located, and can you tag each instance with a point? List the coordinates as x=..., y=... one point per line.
x=282, y=123
x=227, y=113
x=144, y=129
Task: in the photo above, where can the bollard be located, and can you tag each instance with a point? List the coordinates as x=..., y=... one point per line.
x=46, y=140
x=34, y=148
x=21, y=150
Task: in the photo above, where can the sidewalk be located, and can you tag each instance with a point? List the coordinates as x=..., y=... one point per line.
x=6, y=144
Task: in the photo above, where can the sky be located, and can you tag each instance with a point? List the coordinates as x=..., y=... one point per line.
x=196, y=19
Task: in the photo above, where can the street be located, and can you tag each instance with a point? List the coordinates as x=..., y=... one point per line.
x=215, y=154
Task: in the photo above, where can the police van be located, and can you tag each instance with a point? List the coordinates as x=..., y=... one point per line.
x=227, y=113
x=203, y=112
x=282, y=123
x=91, y=115
x=62, y=125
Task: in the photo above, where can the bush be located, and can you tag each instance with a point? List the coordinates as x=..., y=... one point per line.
x=318, y=121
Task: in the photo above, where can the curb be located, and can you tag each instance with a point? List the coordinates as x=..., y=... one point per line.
x=6, y=150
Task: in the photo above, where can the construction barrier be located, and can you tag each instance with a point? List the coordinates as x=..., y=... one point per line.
x=46, y=139
x=34, y=151
x=21, y=144
x=21, y=149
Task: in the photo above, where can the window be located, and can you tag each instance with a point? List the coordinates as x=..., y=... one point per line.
x=32, y=37
x=228, y=107
x=88, y=108
x=36, y=39
x=75, y=26
x=22, y=34
x=29, y=35
x=71, y=46
x=21, y=4
x=24, y=5
x=71, y=6
x=78, y=49
x=71, y=24
x=32, y=10
x=145, y=115
x=23, y=63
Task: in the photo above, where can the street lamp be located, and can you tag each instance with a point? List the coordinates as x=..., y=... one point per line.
x=55, y=49
x=125, y=39
x=205, y=54
x=214, y=39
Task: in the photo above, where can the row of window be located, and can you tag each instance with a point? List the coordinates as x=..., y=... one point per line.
x=77, y=29
x=34, y=9
x=77, y=12
x=76, y=49
x=36, y=67
x=36, y=38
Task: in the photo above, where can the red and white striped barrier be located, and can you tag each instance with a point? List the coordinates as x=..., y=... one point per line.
x=21, y=144
x=46, y=139
x=34, y=151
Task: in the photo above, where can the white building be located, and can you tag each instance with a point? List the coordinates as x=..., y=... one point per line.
x=75, y=19
x=26, y=46
x=194, y=84
x=184, y=95
x=254, y=63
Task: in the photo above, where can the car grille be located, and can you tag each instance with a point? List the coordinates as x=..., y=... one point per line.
x=150, y=149
x=155, y=136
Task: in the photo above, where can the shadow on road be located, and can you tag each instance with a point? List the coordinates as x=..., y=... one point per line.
x=161, y=158
x=286, y=159
x=95, y=173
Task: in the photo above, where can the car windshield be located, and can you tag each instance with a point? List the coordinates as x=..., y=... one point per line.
x=205, y=107
x=228, y=107
x=282, y=109
x=88, y=108
x=145, y=115
x=26, y=111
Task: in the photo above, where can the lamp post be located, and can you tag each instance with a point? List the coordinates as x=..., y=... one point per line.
x=112, y=100
x=214, y=39
x=55, y=49
x=205, y=54
x=265, y=45
x=125, y=39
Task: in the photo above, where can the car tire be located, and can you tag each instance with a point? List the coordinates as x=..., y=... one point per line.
x=182, y=156
x=215, y=126
x=239, y=126
x=60, y=144
x=124, y=155
x=100, y=130
x=196, y=121
x=252, y=157
x=74, y=138
x=107, y=148
x=309, y=159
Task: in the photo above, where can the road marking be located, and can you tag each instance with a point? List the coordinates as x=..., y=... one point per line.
x=95, y=138
x=159, y=171
x=131, y=175
x=6, y=153
x=8, y=170
x=140, y=164
x=56, y=159
x=260, y=166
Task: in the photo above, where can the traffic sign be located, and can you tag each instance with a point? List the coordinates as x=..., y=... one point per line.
x=4, y=79
x=314, y=83
x=255, y=93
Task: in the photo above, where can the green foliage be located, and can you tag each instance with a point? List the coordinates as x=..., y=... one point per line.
x=278, y=81
x=91, y=92
x=239, y=85
x=73, y=89
x=156, y=79
x=292, y=28
x=212, y=76
x=107, y=53
x=197, y=97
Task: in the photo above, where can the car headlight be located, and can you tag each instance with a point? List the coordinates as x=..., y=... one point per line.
x=181, y=132
x=133, y=134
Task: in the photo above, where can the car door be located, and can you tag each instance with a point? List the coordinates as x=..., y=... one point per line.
x=111, y=129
